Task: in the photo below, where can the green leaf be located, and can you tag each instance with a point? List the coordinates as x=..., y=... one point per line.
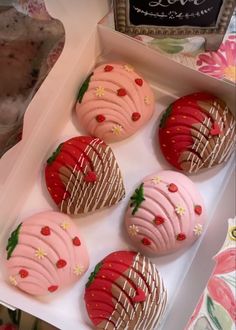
x=137, y=198
x=211, y=312
x=223, y=317
x=55, y=154
x=170, y=46
x=93, y=274
x=165, y=116
x=13, y=241
x=84, y=88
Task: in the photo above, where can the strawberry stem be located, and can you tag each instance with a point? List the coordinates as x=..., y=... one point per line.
x=84, y=88
x=137, y=199
x=55, y=154
x=93, y=274
x=165, y=116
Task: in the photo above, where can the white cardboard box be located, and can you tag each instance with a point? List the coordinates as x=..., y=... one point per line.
x=50, y=120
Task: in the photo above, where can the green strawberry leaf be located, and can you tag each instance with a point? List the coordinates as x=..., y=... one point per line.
x=84, y=88
x=12, y=241
x=93, y=274
x=212, y=314
x=165, y=116
x=55, y=154
x=137, y=199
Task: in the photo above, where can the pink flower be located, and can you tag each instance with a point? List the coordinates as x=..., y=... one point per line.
x=222, y=294
x=220, y=64
x=225, y=262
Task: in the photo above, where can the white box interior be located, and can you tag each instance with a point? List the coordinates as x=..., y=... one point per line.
x=24, y=192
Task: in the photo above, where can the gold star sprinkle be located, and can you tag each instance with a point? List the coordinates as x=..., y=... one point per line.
x=197, y=229
x=156, y=179
x=133, y=230
x=100, y=91
x=40, y=253
x=147, y=100
x=180, y=210
x=65, y=225
x=12, y=280
x=78, y=270
x=128, y=68
x=117, y=129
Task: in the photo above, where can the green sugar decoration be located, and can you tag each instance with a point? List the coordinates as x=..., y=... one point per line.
x=12, y=241
x=137, y=199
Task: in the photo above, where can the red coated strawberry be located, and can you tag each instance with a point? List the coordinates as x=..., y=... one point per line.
x=140, y=296
x=181, y=237
x=90, y=177
x=146, y=241
x=23, y=273
x=45, y=231
x=100, y=118
x=172, y=187
x=183, y=129
x=118, y=277
x=198, y=209
x=121, y=92
x=136, y=116
x=83, y=160
x=108, y=68
x=159, y=220
x=61, y=263
x=52, y=288
x=139, y=82
x=76, y=241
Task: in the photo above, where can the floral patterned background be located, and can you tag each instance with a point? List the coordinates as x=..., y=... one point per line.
x=216, y=309
x=190, y=51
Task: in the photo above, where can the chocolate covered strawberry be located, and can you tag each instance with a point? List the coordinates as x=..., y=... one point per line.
x=45, y=254
x=197, y=131
x=125, y=291
x=82, y=175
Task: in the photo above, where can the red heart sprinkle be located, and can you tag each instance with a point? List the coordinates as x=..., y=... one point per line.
x=76, y=241
x=159, y=220
x=45, y=231
x=121, y=92
x=172, y=187
x=146, y=241
x=61, y=263
x=215, y=129
x=198, y=209
x=140, y=296
x=90, y=177
x=139, y=82
x=108, y=68
x=135, y=116
x=100, y=118
x=52, y=288
x=23, y=273
x=181, y=237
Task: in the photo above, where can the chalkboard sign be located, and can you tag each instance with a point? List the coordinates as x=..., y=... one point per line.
x=175, y=18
